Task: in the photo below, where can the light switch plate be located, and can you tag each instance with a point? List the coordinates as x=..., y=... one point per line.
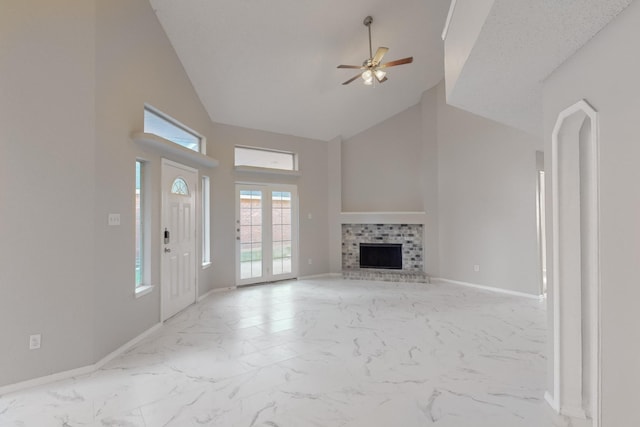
x=34, y=341
x=114, y=219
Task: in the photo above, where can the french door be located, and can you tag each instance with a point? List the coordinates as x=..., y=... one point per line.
x=266, y=233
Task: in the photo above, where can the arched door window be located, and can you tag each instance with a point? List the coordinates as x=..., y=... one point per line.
x=179, y=186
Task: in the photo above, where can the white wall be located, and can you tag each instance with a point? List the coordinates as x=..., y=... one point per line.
x=605, y=73
x=47, y=151
x=487, y=202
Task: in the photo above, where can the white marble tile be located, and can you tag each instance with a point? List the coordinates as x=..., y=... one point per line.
x=318, y=353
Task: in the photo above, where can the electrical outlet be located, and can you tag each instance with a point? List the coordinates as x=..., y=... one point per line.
x=310, y=261
x=114, y=219
x=34, y=341
x=476, y=268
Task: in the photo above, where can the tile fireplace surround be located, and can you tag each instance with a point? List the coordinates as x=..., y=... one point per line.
x=409, y=235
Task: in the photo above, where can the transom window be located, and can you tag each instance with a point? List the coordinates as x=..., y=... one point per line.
x=263, y=158
x=170, y=129
x=180, y=186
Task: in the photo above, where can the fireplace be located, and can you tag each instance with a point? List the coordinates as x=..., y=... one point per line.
x=389, y=252
x=381, y=255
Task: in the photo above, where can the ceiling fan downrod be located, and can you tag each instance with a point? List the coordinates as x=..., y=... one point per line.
x=367, y=22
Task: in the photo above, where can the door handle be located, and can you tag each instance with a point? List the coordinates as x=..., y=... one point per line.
x=167, y=250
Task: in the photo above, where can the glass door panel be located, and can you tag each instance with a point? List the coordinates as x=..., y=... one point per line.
x=281, y=232
x=250, y=231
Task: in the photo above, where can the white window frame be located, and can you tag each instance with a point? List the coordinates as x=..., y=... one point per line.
x=144, y=286
x=206, y=221
x=172, y=121
x=294, y=158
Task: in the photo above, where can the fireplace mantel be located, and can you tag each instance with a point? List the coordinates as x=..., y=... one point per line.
x=383, y=217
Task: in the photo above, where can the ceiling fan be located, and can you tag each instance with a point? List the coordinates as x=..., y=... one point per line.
x=372, y=66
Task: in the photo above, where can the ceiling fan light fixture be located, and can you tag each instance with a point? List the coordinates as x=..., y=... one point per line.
x=367, y=76
x=380, y=74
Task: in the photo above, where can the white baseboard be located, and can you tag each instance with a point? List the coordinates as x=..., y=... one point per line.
x=213, y=291
x=59, y=376
x=126, y=346
x=35, y=382
x=553, y=403
x=489, y=288
x=575, y=413
x=320, y=276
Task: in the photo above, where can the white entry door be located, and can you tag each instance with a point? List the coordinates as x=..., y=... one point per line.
x=178, y=237
x=266, y=233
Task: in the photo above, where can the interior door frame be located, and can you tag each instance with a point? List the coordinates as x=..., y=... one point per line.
x=295, y=223
x=163, y=222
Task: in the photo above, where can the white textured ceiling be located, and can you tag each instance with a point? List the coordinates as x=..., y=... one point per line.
x=521, y=43
x=271, y=65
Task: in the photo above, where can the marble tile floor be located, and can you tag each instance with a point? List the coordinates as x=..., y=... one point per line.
x=323, y=352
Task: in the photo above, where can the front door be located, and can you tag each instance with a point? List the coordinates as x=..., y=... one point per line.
x=178, y=237
x=266, y=233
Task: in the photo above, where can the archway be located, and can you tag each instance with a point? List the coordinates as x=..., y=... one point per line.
x=575, y=295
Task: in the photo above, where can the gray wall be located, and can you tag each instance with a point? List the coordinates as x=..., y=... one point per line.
x=135, y=64
x=429, y=178
x=605, y=73
x=474, y=178
x=47, y=193
x=312, y=193
x=75, y=77
x=487, y=202
x=381, y=168
x=334, y=204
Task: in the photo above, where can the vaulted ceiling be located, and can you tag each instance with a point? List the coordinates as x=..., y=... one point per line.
x=499, y=72
x=271, y=65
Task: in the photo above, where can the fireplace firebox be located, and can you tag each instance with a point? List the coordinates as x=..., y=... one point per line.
x=381, y=255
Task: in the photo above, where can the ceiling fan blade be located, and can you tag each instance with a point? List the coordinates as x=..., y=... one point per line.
x=378, y=56
x=351, y=79
x=408, y=60
x=357, y=67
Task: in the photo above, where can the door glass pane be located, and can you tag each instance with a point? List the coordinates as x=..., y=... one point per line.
x=250, y=234
x=281, y=231
x=180, y=186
